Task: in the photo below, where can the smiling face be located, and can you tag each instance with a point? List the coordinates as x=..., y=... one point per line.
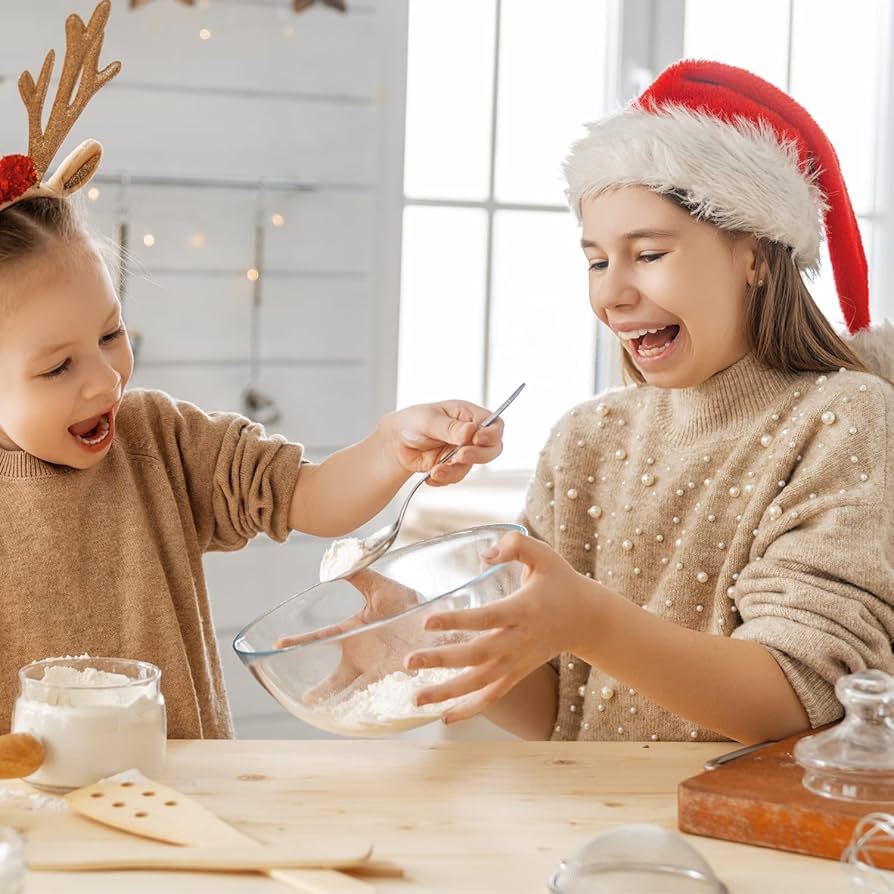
x=64, y=356
x=671, y=287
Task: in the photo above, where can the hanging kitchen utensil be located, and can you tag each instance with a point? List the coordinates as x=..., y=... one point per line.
x=256, y=404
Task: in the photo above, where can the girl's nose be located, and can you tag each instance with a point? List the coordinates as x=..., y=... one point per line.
x=105, y=381
x=612, y=290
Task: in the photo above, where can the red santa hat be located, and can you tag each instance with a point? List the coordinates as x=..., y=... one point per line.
x=741, y=154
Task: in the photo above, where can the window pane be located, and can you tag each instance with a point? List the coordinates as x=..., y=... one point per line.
x=552, y=64
x=753, y=36
x=441, y=348
x=843, y=97
x=449, y=98
x=542, y=328
x=823, y=287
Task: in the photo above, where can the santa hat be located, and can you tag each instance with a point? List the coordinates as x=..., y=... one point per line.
x=743, y=155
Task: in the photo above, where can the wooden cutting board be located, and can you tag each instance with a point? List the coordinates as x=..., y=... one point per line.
x=758, y=799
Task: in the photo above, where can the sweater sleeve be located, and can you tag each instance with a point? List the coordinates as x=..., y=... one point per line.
x=818, y=590
x=237, y=480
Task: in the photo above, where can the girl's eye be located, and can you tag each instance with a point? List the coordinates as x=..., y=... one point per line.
x=61, y=368
x=649, y=258
x=106, y=339
x=598, y=265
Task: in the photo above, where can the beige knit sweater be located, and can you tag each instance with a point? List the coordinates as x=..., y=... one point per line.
x=757, y=505
x=109, y=560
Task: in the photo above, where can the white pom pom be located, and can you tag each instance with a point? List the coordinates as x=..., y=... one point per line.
x=875, y=347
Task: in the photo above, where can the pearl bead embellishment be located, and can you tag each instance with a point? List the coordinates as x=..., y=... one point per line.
x=774, y=511
x=766, y=440
x=828, y=417
x=607, y=693
x=648, y=479
x=572, y=494
x=594, y=511
x=702, y=577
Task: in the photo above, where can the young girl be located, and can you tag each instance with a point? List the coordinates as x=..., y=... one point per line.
x=110, y=498
x=714, y=546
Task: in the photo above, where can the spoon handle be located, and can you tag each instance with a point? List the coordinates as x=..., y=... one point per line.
x=485, y=423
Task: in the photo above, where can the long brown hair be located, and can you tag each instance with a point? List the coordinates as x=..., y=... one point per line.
x=785, y=328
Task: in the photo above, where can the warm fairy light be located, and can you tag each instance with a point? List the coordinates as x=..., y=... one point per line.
x=93, y=193
x=148, y=240
x=252, y=274
x=197, y=240
x=277, y=220
x=205, y=34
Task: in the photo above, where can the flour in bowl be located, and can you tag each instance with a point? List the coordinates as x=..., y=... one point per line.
x=387, y=705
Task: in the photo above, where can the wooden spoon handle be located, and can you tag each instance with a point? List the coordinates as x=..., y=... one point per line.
x=20, y=755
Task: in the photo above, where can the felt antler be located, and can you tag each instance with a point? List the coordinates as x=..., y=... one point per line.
x=20, y=176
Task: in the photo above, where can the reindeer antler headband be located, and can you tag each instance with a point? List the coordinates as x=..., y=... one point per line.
x=21, y=176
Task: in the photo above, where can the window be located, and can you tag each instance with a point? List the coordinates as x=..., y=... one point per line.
x=493, y=287
x=494, y=284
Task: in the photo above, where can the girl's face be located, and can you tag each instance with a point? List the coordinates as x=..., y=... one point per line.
x=64, y=357
x=670, y=287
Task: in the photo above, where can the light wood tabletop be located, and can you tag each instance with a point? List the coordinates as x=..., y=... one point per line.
x=470, y=817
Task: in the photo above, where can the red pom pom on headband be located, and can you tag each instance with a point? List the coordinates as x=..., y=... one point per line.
x=17, y=176
x=743, y=155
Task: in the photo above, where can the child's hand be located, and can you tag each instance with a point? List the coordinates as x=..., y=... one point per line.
x=546, y=616
x=420, y=435
x=366, y=656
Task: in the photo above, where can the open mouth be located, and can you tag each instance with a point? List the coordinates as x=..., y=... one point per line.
x=648, y=344
x=93, y=433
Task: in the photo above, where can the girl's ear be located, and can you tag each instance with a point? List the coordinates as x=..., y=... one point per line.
x=755, y=271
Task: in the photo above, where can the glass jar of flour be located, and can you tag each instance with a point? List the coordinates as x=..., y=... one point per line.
x=94, y=717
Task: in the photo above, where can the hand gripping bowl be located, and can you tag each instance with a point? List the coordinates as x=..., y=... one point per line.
x=333, y=655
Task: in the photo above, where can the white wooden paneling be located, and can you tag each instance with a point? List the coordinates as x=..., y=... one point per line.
x=324, y=231
x=218, y=135
x=182, y=317
x=245, y=584
x=319, y=406
x=284, y=52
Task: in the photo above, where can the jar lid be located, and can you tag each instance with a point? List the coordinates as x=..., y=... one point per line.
x=854, y=760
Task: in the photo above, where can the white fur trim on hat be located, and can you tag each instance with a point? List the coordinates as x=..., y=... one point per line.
x=875, y=347
x=738, y=176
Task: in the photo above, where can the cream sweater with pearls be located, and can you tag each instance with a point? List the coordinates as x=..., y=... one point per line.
x=757, y=505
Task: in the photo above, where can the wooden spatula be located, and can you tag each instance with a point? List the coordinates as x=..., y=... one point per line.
x=55, y=856
x=20, y=755
x=151, y=810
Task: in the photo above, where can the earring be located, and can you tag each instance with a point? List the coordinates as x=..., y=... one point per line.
x=760, y=282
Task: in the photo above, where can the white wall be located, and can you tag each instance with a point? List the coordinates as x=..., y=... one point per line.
x=317, y=106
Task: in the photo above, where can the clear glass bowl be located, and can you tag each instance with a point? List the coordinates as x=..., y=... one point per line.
x=639, y=858
x=345, y=674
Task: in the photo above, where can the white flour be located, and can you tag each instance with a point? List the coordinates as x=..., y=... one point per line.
x=341, y=556
x=91, y=724
x=386, y=705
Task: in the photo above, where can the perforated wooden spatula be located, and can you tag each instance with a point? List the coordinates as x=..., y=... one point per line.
x=151, y=810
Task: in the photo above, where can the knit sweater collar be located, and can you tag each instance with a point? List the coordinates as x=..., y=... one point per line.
x=721, y=407
x=19, y=464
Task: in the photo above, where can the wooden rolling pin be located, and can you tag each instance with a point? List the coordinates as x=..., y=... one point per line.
x=20, y=755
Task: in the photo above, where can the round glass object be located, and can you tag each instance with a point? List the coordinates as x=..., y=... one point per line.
x=636, y=859
x=854, y=760
x=334, y=655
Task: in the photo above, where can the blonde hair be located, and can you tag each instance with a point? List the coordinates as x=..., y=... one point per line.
x=34, y=227
x=785, y=329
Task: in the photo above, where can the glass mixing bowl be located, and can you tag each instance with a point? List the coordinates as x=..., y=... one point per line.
x=333, y=655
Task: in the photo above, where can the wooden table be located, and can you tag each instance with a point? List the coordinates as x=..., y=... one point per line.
x=470, y=817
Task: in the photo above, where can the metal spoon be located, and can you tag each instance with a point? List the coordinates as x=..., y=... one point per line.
x=373, y=547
